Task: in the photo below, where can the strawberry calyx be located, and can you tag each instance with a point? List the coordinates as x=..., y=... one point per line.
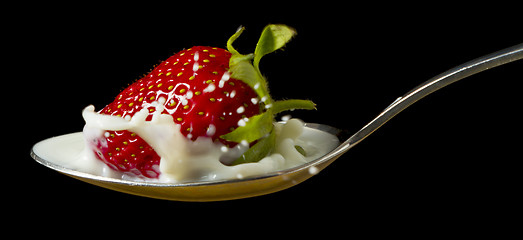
x=260, y=128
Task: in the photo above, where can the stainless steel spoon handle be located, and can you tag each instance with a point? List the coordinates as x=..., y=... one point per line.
x=455, y=74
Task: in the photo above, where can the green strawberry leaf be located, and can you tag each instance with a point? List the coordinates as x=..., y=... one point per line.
x=257, y=152
x=260, y=127
x=255, y=128
x=273, y=37
x=232, y=39
x=291, y=104
x=243, y=70
x=300, y=150
x=236, y=57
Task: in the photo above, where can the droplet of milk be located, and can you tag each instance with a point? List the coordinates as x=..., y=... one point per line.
x=209, y=88
x=195, y=66
x=189, y=95
x=224, y=79
x=211, y=130
x=240, y=110
x=313, y=170
x=241, y=123
x=196, y=56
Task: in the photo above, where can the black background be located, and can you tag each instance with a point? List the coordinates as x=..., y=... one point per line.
x=449, y=162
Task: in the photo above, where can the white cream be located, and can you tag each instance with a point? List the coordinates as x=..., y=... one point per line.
x=183, y=160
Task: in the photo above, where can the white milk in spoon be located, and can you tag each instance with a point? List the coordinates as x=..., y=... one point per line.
x=183, y=160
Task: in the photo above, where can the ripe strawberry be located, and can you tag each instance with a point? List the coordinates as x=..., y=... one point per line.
x=199, y=90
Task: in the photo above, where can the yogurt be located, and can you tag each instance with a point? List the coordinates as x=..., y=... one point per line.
x=183, y=160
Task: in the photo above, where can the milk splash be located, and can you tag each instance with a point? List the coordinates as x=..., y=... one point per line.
x=184, y=160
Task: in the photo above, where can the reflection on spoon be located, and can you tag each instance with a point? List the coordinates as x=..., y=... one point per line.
x=274, y=181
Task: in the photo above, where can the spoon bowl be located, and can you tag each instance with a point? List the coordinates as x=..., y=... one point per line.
x=194, y=191
x=276, y=181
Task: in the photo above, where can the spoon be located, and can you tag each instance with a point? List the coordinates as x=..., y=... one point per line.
x=277, y=181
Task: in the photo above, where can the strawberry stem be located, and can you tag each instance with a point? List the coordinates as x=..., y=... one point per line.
x=246, y=68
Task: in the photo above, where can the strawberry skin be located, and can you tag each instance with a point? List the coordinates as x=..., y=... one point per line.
x=127, y=152
x=196, y=89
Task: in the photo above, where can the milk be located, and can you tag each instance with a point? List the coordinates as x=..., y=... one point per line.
x=182, y=160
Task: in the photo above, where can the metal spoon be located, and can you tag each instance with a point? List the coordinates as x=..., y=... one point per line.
x=276, y=181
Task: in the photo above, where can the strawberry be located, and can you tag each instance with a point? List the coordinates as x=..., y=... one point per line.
x=210, y=92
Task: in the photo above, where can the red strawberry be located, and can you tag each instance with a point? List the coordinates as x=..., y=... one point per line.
x=199, y=90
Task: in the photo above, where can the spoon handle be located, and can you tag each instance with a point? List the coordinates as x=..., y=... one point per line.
x=455, y=74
